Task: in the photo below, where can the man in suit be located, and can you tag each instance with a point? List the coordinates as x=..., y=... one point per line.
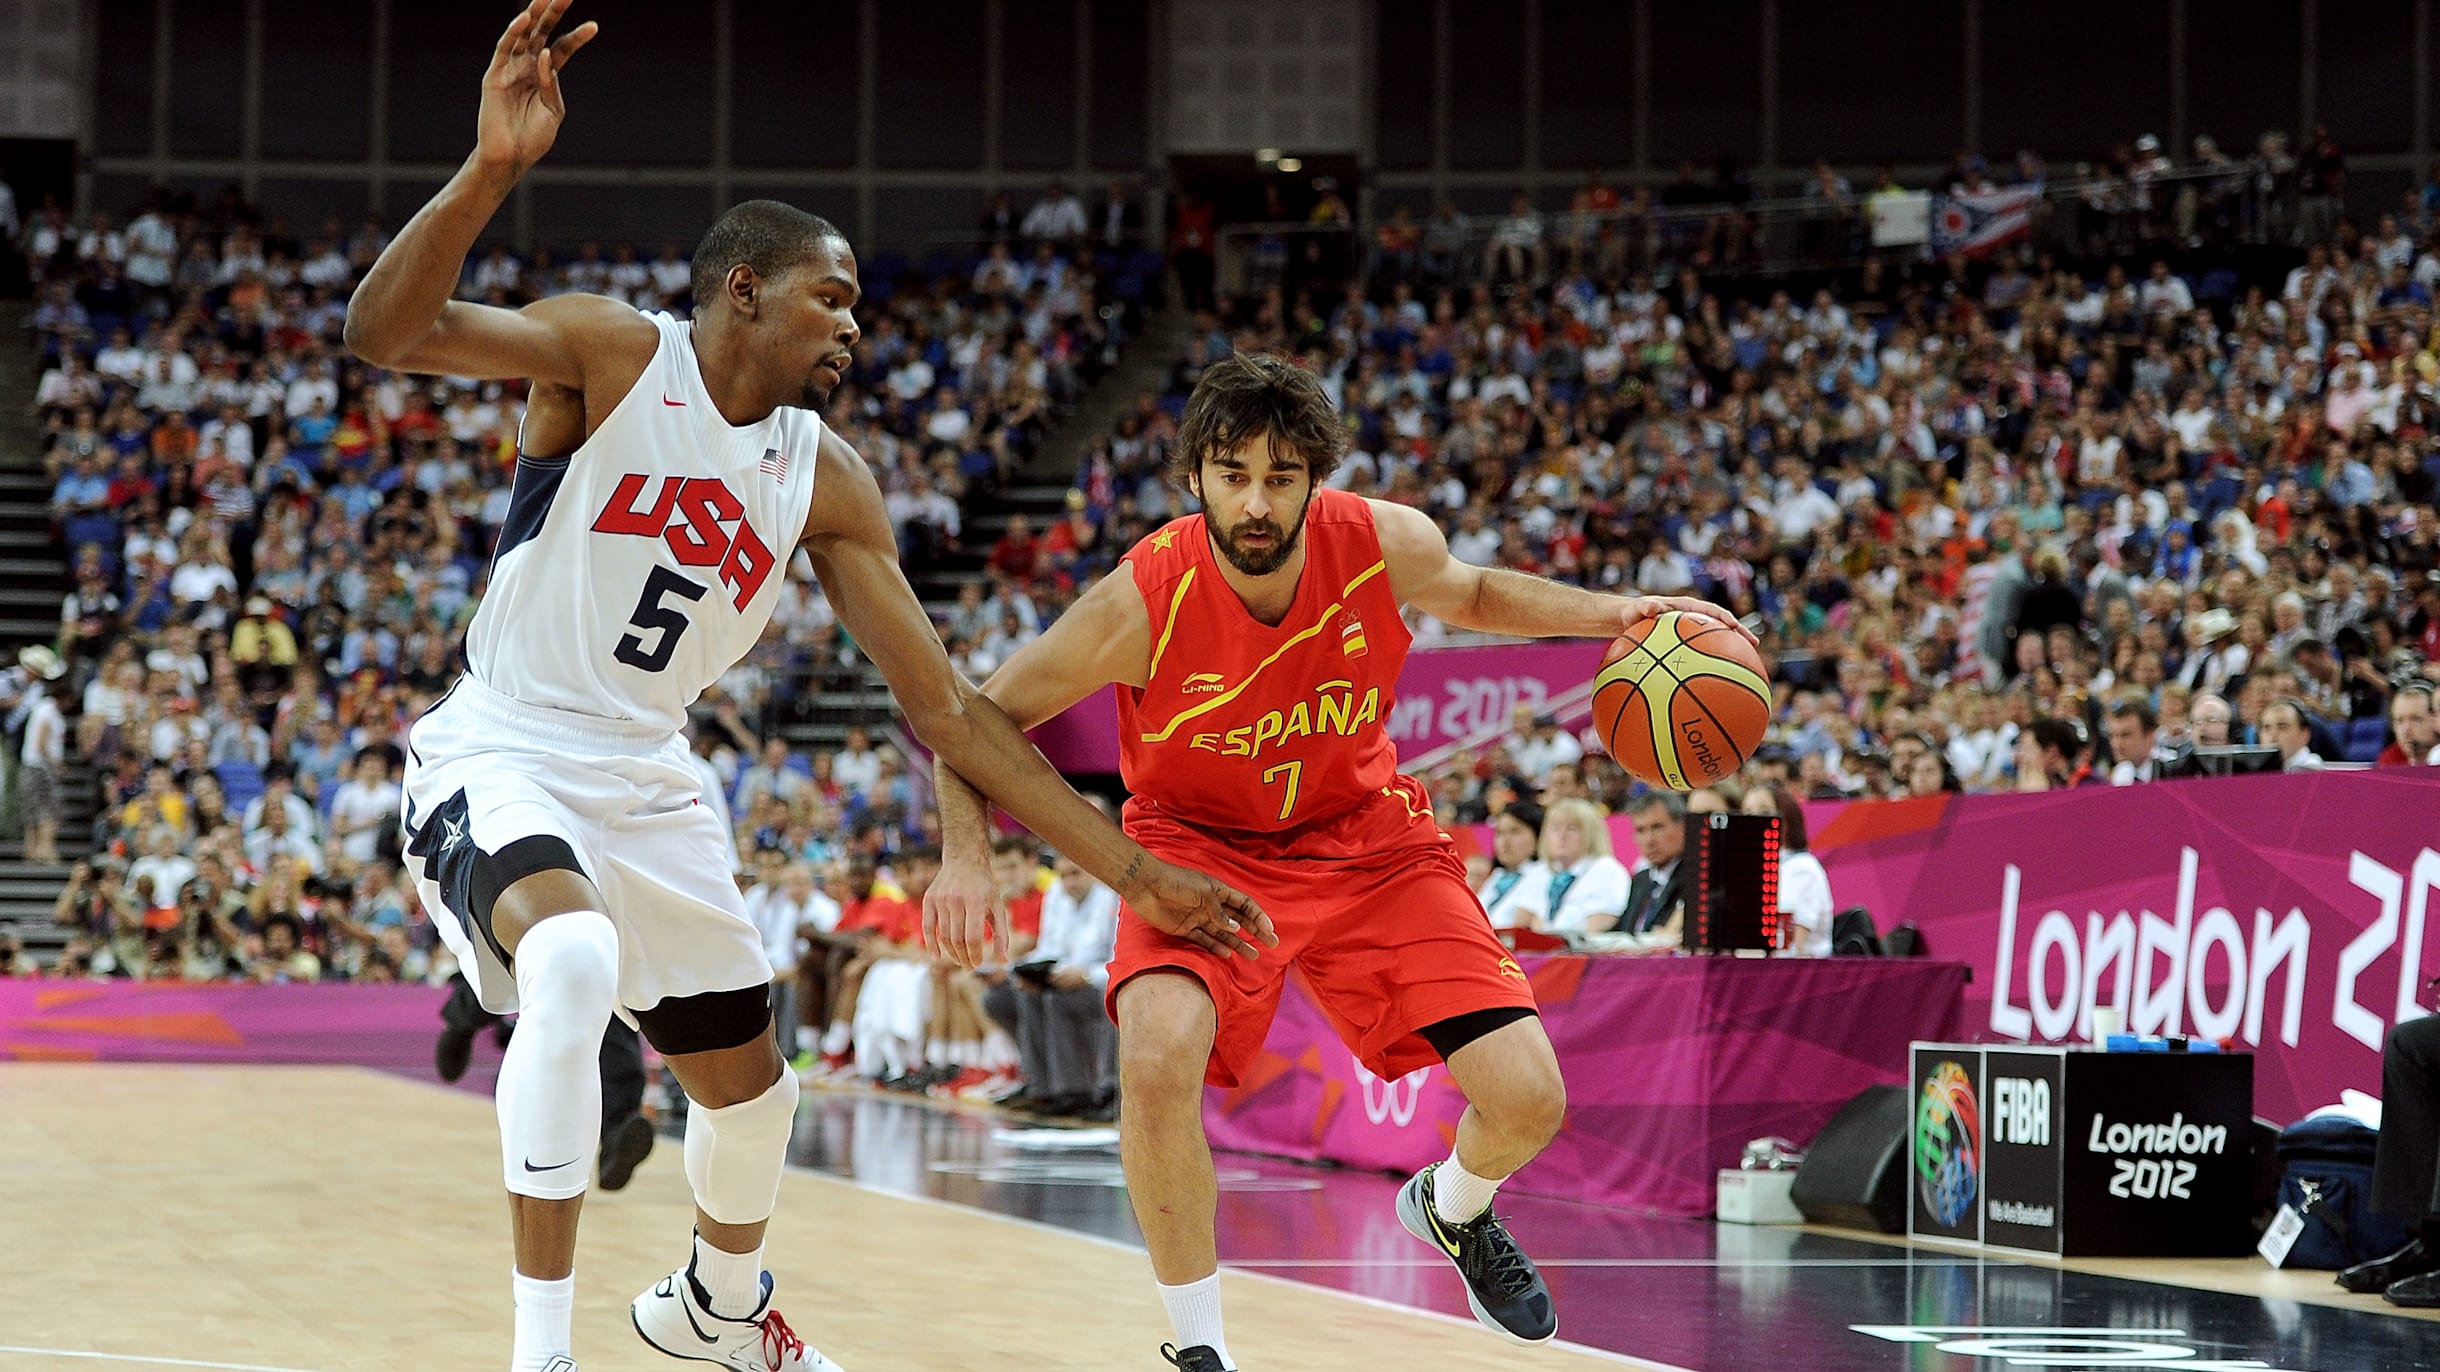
x=2404, y=1163
x=2135, y=743
x=1657, y=895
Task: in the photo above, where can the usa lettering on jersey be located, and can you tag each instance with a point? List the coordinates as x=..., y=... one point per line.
x=701, y=520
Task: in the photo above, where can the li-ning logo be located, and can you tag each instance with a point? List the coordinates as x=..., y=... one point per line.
x=1948, y=1143
x=1204, y=681
x=1391, y=1102
x=1509, y=968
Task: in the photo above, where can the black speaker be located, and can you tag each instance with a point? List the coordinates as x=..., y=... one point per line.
x=1855, y=1173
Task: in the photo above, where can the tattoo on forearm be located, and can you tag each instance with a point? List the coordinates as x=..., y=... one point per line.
x=1134, y=865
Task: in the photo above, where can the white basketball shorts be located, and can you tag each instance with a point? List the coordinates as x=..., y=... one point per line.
x=484, y=771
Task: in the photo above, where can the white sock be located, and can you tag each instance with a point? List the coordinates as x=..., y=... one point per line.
x=1194, y=1312
x=733, y=1280
x=545, y=1310
x=1458, y=1195
x=835, y=1038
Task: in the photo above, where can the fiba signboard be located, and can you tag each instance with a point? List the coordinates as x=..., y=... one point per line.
x=2082, y=1154
x=1945, y=1154
x=2021, y=1153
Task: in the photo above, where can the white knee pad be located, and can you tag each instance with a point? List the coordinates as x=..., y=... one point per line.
x=736, y=1153
x=550, y=1091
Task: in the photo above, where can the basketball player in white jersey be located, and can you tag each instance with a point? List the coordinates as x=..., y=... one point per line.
x=667, y=470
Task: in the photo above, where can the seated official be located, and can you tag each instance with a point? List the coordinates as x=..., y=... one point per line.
x=1584, y=890
x=2406, y=1167
x=1516, y=873
x=1656, y=896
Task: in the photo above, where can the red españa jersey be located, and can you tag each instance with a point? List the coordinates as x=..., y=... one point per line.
x=1251, y=728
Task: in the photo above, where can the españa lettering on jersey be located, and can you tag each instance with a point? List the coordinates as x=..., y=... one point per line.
x=1252, y=727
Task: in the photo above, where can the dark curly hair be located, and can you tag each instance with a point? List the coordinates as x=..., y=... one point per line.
x=1245, y=395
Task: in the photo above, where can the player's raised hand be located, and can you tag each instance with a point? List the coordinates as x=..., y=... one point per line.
x=962, y=918
x=1202, y=911
x=1639, y=608
x=522, y=108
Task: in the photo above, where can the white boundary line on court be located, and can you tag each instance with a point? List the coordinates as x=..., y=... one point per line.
x=6, y=1349
x=1585, y=1350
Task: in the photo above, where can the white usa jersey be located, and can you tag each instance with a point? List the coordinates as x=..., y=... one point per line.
x=635, y=571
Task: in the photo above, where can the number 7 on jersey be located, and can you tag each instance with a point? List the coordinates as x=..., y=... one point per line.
x=1293, y=771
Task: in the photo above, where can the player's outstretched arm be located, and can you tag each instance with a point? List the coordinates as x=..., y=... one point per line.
x=402, y=316
x=855, y=554
x=1495, y=600
x=1105, y=637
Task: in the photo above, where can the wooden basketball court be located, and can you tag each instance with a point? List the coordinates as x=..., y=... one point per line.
x=308, y=1219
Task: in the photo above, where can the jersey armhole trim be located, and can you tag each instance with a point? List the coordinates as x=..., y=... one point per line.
x=1161, y=647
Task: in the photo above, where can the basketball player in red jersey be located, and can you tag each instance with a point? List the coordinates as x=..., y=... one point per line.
x=1257, y=647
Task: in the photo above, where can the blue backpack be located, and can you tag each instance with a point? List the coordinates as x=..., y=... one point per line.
x=2325, y=1172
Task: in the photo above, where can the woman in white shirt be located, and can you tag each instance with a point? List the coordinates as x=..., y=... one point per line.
x=1585, y=891
x=1804, y=884
x=1516, y=875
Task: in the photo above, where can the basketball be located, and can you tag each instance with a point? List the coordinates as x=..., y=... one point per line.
x=1681, y=701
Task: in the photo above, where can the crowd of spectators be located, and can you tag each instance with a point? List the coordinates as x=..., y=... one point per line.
x=2018, y=521
x=2025, y=520
x=275, y=552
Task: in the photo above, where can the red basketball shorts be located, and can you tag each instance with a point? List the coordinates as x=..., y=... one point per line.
x=1388, y=943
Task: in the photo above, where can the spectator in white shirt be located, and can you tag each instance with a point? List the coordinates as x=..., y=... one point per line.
x=1475, y=542
x=1058, y=217
x=772, y=776
x=278, y=839
x=42, y=755
x=317, y=384
x=856, y=766
x=1053, y=1002
x=362, y=805
x=1542, y=744
x=2163, y=293
x=778, y=915
x=169, y=869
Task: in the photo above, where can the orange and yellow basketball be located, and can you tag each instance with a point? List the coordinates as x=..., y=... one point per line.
x=1681, y=701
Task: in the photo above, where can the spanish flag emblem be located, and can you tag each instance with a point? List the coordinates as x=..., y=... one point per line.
x=1351, y=634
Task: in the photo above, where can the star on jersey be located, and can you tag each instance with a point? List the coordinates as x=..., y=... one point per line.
x=1162, y=539
x=453, y=833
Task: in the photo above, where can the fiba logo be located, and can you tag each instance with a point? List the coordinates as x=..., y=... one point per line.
x=1948, y=1143
x=1391, y=1102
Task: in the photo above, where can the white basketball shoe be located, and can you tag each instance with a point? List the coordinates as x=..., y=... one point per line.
x=675, y=1317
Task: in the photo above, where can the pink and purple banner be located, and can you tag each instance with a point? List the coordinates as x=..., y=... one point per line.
x=387, y=1027
x=1445, y=694
x=1672, y=1065
x=2285, y=915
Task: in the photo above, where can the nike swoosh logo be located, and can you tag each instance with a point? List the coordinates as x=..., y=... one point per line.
x=693, y=1323
x=530, y=1167
x=679, y=403
x=1431, y=1216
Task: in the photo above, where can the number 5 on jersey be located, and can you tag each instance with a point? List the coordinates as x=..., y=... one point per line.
x=653, y=616
x=1292, y=770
